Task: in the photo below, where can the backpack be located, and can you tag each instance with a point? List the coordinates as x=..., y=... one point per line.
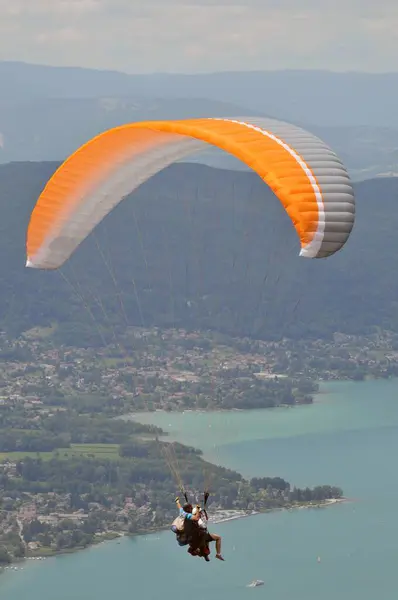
x=178, y=524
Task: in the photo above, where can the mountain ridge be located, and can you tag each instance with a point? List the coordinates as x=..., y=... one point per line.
x=203, y=248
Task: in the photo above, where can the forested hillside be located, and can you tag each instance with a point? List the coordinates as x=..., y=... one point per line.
x=201, y=248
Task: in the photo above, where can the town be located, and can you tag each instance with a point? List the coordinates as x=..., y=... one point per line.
x=176, y=369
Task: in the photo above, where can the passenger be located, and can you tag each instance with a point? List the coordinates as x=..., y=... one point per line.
x=206, y=535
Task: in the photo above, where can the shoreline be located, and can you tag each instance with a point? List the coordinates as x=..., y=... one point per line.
x=221, y=516
x=320, y=392
x=299, y=506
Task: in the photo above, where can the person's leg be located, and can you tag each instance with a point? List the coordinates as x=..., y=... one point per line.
x=217, y=538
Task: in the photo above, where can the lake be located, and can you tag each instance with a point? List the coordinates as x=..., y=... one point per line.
x=348, y=437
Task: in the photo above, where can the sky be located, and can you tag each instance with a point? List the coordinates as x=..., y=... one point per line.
x=144, y=36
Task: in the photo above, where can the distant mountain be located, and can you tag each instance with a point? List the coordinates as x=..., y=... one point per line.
x=319, y=97
x=50, y=129
x=201, y=248
x=367, y=151
x=47, y=112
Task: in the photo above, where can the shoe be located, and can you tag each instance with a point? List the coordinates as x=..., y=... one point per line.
x=219, y=557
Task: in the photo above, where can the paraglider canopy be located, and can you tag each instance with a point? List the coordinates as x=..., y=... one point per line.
x=307, y=177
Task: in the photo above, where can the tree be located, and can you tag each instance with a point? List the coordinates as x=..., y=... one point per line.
x=5, y=556
x=19, y=550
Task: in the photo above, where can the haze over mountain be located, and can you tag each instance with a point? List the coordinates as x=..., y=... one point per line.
x=319, y=97
x=47, y=112
x=199, y=247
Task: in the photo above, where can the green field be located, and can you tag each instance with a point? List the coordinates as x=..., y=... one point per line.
x=40, y=333
x=107, y=451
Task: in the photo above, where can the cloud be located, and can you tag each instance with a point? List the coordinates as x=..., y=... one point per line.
x=202, y=35
x=27, y=9
x=60, y=37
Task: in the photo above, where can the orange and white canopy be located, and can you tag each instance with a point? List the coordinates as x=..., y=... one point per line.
x=308, y=178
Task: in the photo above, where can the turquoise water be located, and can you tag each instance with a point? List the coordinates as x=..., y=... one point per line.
x=349, y=437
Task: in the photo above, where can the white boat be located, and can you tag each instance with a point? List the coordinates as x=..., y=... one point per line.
x=255, y=583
